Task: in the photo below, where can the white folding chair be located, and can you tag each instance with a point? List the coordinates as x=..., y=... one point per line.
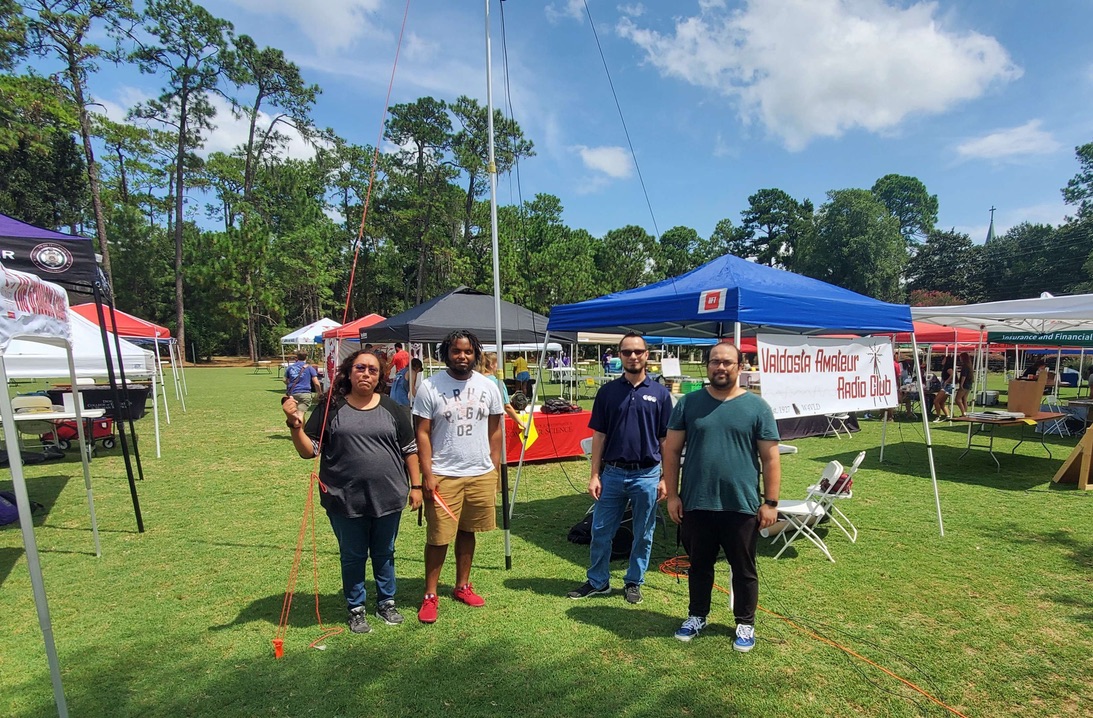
x=1055, y=426
x=835, y=422
x=828, y=500
x=802, y=516
x=34, y=404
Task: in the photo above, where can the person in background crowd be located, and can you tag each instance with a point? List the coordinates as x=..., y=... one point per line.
x=368, y=467
x=521, y=374
x=401, y=358
x=941, y=400
x=302, y=383
x=629, y=422
x=729, y=433
x=965, y=381
x=417, y=371
x=1034, y=371
x=488, y=369
x=458, y=415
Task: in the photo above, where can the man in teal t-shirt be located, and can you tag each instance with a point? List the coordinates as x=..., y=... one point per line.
x=730, y=435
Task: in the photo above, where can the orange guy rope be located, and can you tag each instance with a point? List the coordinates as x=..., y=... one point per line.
x=677, y=567
x=309, y=504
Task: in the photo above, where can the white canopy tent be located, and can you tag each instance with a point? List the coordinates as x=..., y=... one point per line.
x=34, y=313
x=305, y=336
x=1045, y=314
x=1040, y=315
x=25, y=358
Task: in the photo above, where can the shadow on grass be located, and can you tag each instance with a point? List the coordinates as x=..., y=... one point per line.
x=331, y=605
x=44, y=490
x=553, y=587
x=8, y=558
x=628, y=623
x=1019, y=472
x=382, y=674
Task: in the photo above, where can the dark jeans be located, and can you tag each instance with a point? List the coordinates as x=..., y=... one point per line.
x=357, y=538
x=705, y=534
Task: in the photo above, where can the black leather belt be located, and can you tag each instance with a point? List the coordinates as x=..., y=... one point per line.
x=632, y=465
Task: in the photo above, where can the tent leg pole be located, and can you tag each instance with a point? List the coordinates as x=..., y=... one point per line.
x=30, y=546
x=531, y=418
x=155, y=414
x=81, y=436
x=117, y=403
x=926, y=433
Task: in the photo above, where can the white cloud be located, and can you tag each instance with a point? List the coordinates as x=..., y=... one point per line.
x=331, y=24
x=229, y=132
x=818, y=68
x=633, y=10
x=1027, y=139
x=571, y=9
x=614, y=162
x=723, y=148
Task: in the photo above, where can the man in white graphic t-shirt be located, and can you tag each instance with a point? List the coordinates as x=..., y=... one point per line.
x=458, y=415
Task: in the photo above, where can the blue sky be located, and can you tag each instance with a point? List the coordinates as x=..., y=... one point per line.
x=982, y=100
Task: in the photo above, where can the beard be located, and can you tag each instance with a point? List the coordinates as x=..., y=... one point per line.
x=634, y=370
x=721, y=382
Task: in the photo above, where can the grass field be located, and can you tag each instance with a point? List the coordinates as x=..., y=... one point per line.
x=994, y=619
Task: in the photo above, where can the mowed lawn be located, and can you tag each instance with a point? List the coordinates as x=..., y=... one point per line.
x=993, y=619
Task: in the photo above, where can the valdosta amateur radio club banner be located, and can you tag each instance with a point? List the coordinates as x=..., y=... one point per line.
x=806, y=376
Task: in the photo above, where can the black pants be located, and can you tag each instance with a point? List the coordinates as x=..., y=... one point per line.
x=705, y=534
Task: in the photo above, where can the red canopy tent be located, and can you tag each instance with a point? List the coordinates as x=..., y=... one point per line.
x=131, y=327
x=127, y=324
x=352, y=330
x=935, y=334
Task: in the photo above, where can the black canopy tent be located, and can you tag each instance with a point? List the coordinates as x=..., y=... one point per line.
x=69, y=260
x=469, y=309
x=461, y=308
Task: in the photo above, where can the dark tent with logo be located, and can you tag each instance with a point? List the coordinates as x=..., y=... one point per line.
x=67, y=259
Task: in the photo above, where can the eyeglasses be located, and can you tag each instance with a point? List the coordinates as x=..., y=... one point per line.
x=727, y=363
x=632, y=352
x=367, y=369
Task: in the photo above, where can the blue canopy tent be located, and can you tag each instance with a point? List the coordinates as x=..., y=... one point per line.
x=730, y=295
x=729, y=290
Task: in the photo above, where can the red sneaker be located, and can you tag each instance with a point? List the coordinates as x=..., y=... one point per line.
x=427, y=612
x=466, y=594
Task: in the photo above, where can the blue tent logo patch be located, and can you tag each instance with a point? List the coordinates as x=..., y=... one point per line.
x=712, y=300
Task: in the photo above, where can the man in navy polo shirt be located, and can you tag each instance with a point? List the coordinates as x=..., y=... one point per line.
x=629, y=422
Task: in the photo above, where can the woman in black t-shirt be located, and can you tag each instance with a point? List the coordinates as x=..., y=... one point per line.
x=368, y=469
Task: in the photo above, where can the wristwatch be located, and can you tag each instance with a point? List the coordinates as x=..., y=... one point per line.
x=771, y=502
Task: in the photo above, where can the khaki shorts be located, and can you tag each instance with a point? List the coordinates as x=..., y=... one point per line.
x=473, y=500
x=303, y=401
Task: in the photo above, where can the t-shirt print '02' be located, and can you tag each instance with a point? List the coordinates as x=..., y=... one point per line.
x=459, y=412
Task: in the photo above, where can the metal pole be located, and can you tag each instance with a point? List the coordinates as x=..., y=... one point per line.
x=926, y=434
x=34, y=565
x=491, y=170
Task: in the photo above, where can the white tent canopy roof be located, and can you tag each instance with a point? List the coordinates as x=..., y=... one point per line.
x=306, y=335
x=25, y=359
x=1042, y=314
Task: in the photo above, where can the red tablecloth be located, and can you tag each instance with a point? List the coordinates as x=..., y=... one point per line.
x=559, y=437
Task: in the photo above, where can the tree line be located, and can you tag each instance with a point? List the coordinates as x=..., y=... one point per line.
x=233, y=249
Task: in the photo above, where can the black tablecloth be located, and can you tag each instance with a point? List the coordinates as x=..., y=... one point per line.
x=800, y=427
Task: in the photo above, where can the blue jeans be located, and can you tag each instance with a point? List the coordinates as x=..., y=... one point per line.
x=357, y=538
x=637, y=487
